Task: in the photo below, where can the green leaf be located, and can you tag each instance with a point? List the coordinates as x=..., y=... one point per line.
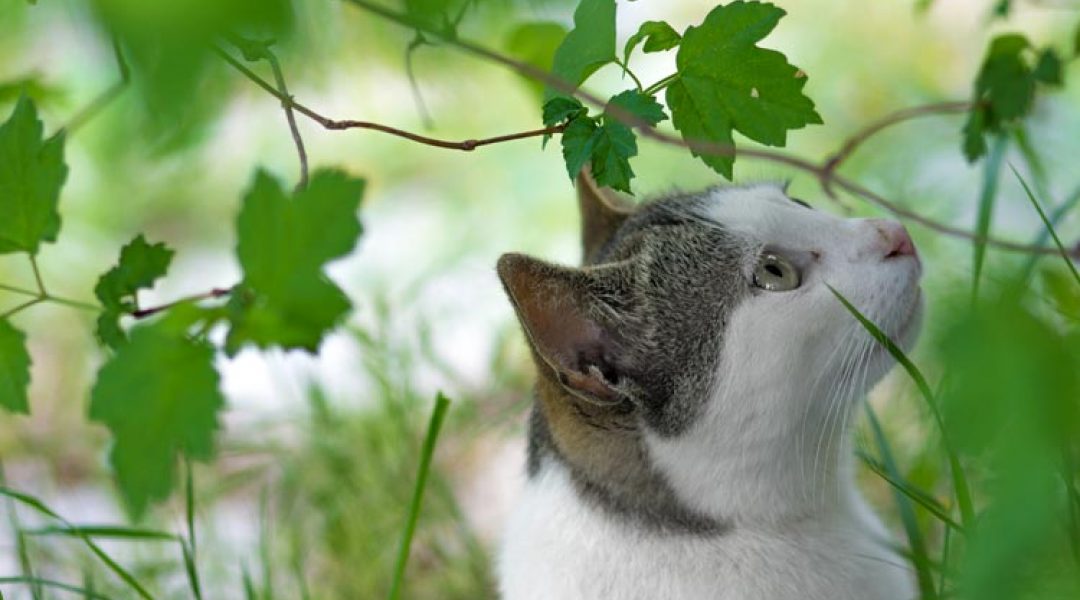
x=535, y=44
x=1049, y=68
x=726, y=82
x=32, y=171
x=657, y=35
x=285, y=298
x=159, y=397
x=14, y=369
x=1004, y=89
x=604, y=142
x=562, y=108
x=588, y=46
x=140, y=265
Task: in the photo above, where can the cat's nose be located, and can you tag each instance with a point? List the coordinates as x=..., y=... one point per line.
x=894, y=241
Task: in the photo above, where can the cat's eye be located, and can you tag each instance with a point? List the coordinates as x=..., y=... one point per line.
x=775, y=274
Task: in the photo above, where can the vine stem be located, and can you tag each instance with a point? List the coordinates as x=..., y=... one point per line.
x=148, y=312
x=290, y=118
x=826, y=176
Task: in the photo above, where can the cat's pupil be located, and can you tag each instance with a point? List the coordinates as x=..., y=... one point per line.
x=774, y=270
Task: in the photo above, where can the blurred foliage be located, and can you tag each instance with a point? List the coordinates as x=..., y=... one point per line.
x=165, y=144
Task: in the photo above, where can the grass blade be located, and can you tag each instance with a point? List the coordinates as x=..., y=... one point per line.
x=1071, y=202
x=33, y=582
x=1049, y=226
x=427, y=450
x=188, y=548
x=992, y=168
x=917, y=543
x=103, y=531
x=901, y=485
x=960, y=485
x=113, y=566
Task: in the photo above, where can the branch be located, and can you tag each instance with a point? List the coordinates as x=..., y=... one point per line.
x=332, y=124
x=290, y=117
x=824, y=175
x=148, y=312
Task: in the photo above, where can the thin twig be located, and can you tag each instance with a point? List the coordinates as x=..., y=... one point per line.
x=105, y=98
x=852, y=143
x=328, y=123
x=37, y=276
x=414, y=85
x=214, y=293
x=21, y=307
x=290, y=117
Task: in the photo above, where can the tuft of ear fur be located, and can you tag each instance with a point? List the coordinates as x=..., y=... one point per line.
x=560, y=317
x=603, y=211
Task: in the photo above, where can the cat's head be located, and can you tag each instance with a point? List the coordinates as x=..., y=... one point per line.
x=706, y=324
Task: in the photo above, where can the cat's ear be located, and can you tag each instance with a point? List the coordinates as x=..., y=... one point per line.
x=603, y=211
x=561, y=316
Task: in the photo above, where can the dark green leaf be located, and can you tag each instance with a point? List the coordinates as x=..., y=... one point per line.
x=1049, y=68
x=285, y=298
x=657, y=35
x=643, y=106
x=561, y=109
x=140, y=265
x=159, y=397
x=1002, y=8
x=535, y=44
x=32, y=171
x=727, y=82
x=14, y=369
x=588, y=46
x=578, y=142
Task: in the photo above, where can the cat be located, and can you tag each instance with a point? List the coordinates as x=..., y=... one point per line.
x=696, y=379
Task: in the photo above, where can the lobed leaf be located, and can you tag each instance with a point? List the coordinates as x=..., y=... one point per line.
x=159, y=397
x=139, y=266
x=285, y=298
x=32, y=171
x=657, y=35
x=14, y=369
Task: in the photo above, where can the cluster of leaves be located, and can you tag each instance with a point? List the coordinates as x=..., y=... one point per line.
x=724, y=82
x=158, y=391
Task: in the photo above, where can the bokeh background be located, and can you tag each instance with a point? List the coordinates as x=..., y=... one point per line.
x=318, y=452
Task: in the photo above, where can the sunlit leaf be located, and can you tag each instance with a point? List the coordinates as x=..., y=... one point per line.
x=32, y=171
x=726, y=82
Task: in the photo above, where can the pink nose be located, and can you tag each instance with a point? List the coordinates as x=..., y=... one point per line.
x=896, y=241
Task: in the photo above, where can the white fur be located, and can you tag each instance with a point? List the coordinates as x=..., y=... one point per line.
x=768, y=454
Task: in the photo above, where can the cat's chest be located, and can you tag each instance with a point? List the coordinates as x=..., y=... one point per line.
x=557, y=547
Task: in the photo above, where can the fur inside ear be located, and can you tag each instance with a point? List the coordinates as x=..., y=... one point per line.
x=559, y=316
x=603, y=211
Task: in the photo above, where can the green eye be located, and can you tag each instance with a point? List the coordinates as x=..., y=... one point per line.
x=775, y=274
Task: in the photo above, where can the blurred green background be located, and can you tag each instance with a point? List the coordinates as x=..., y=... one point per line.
x=317, y=459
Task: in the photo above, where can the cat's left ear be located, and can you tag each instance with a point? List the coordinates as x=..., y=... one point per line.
x=568, y=324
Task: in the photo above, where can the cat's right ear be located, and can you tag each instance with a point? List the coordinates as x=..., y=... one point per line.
x=561, y=318
x=603, y=211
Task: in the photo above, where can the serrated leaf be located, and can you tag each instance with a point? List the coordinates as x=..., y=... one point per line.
x=643, y=106
x=588, y=46
x=14, y=369
x=139, y=266
x=657, y=35
x=285, y=298
x=159, y=397
x=32, y=171
x=562, y=108
x=605, y=143
x=726, y=82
